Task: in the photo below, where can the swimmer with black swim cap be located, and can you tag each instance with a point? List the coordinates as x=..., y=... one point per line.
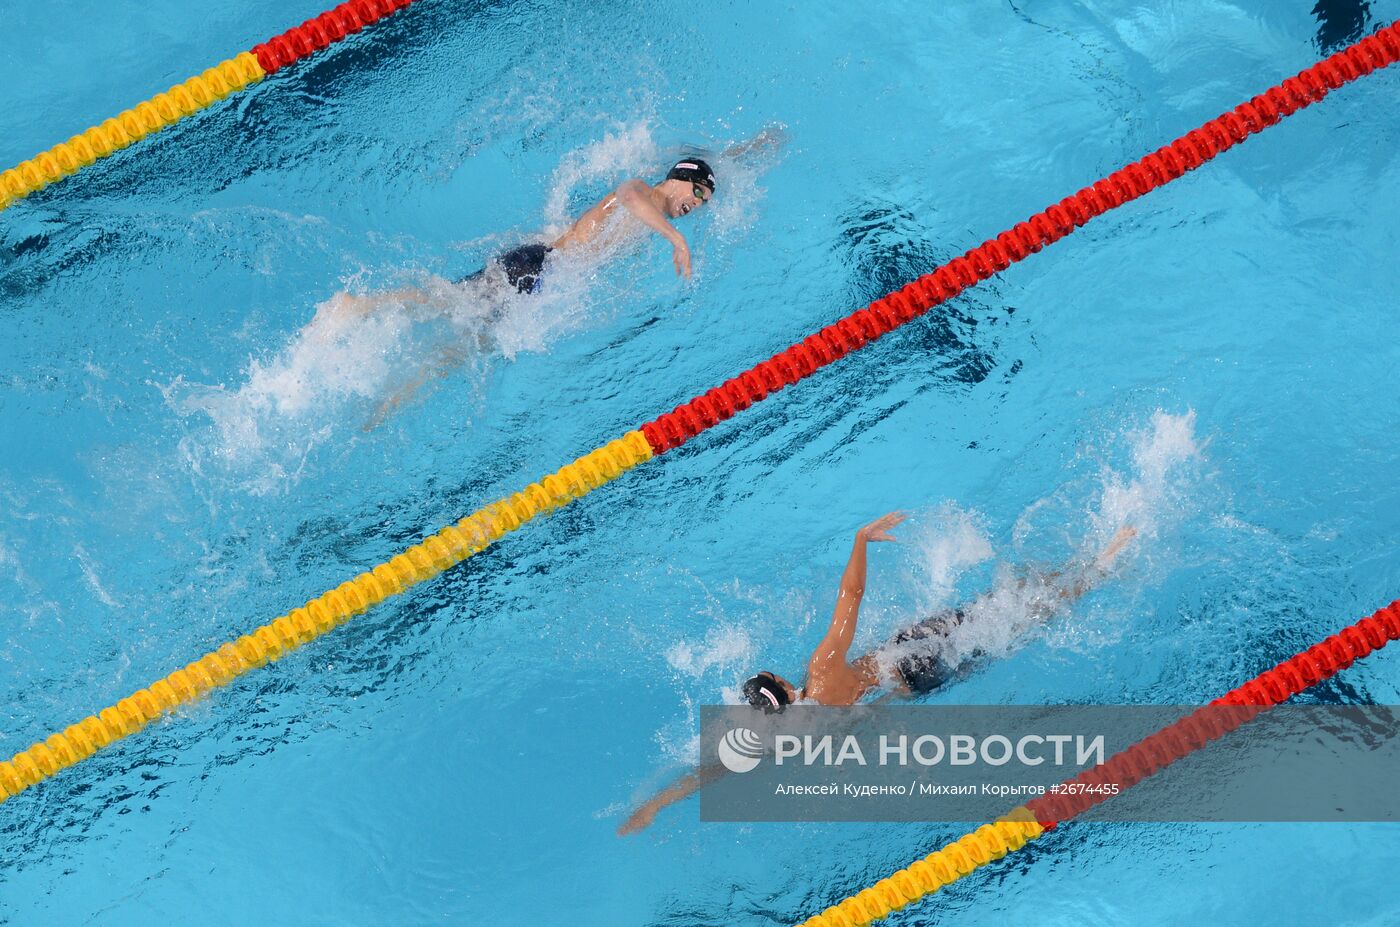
x=769, y=692
x=915, y=662
x=692, y=172
x=688, y=185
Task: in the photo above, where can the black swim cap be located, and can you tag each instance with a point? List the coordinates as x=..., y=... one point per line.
x=764, y=691
x=693, y=170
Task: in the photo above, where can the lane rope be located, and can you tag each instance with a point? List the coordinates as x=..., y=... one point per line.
x=1046, y=227
x=1128, y=767
x=300, y=626
x=671, y=430
x=191, y=96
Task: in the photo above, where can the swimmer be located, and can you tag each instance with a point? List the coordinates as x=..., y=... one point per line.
x=632, y=208
x=688, y=185
x=915, y=661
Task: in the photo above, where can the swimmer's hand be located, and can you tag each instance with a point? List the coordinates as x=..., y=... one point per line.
x=680, y=256
x=770, y=138
x=1087, y=577
x=640, y=820
x=682, y=788
x=879, y=529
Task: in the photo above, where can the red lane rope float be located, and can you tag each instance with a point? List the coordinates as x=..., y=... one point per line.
x=1015, y=244
x=315, y=34
x=1148, y=756
x=1272, y=687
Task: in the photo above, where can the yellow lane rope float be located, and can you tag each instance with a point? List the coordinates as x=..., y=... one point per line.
x=131, y=126
x=281, y=636
x=944, y=866
x=192, y=95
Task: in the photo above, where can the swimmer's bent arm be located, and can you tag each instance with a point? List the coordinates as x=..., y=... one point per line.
x=636, y=196
x=679, y=790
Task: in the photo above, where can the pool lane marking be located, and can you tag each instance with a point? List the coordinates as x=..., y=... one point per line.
x=300, y=626
x=191, y=96
x=674, y=428
x=1147, y=757
x=1050, y=225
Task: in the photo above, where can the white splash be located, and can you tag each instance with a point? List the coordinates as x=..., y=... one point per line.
x=357, y=360
x=1151, y=495
x=1110, y=525
x=944, y=547
x=90, y=576
x=628, y=152
x=724, y=647
x=738, y=169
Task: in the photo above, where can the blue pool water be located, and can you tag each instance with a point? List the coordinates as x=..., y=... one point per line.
x=184, y=454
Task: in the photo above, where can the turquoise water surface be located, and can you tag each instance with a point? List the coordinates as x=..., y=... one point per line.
x=186, y=450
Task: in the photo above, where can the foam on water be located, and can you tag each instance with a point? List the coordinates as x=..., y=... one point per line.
x=712, y=667
x=598, y=167
x=943, y=548
x=1150, y=494
x=342, y=369
x=365, y=355
x=722, y=647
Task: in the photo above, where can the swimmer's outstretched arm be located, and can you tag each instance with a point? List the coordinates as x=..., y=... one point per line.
x=1086, y=578
x=679, y=790
x=770, y=137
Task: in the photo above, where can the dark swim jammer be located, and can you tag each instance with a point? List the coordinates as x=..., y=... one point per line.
x=524, y=266
x=926, y=670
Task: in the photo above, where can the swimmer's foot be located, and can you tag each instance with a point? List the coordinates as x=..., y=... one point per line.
x=417, y=303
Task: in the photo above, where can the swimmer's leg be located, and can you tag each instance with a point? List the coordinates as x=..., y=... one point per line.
x=419, y=303
x=443, y=362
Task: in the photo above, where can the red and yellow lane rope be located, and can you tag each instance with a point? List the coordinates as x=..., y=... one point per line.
x=189, y=97
x=1147, y=757
x=454, y=544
